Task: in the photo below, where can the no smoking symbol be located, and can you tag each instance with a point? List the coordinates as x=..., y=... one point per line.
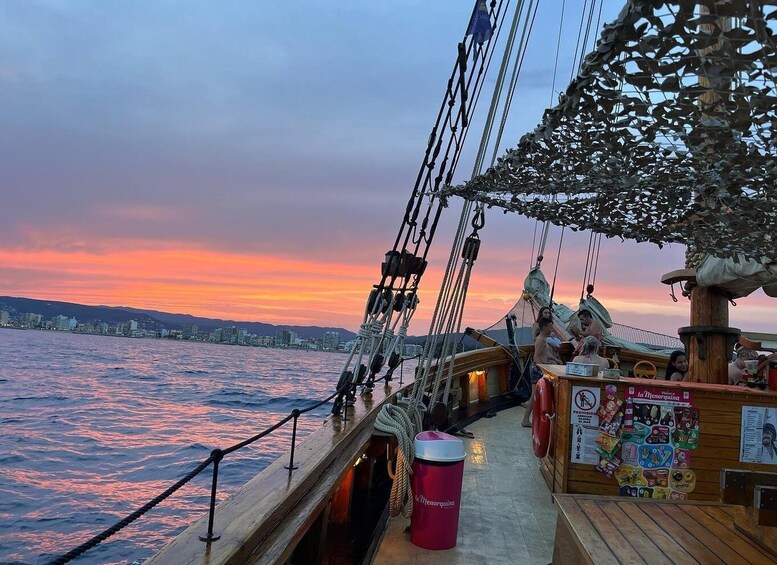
x=584, y=400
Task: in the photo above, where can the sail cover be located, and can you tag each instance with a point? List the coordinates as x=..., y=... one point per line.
x=667, y=134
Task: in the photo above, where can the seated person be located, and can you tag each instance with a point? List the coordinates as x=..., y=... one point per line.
x=589, y=327
x=543, y=353
x=677, y=368
x=736, y=369
x=589, y=355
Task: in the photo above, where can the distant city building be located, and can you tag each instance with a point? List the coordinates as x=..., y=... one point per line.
x=230, y=335
x=3, y=318
x=265, y=341
x=190, y=331
x=62, y=323
x=72, y=322
x=286, y=338
x=413, y=350
x=331, y=341
x=30, y=320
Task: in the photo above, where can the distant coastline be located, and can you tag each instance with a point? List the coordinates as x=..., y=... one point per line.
x=45, y=315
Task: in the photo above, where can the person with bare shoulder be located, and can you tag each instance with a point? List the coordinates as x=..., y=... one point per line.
x=589, y=353
x=544, y=352
x=590, y=326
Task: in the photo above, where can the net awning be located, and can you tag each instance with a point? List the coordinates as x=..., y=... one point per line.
x=667, y=134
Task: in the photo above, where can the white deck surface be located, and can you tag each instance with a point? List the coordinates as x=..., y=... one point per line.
x=507, y=514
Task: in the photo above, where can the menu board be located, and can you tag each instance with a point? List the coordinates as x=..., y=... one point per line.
x=660, y=429
x=759, y=432
x=585, y=424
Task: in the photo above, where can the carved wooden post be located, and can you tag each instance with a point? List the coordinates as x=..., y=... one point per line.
x=708, y=340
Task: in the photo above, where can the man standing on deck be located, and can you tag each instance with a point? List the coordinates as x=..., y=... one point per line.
x=543, y=353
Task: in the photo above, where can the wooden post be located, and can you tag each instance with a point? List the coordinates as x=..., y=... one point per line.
x=708, y=351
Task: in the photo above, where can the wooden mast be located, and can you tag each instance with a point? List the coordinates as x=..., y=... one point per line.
x=709, y=341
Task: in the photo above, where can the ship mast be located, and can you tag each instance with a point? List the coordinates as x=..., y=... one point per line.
x=708, y=340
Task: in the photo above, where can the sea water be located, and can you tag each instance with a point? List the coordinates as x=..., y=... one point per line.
x=93, y=427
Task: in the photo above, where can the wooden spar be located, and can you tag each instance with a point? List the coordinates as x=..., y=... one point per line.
x=708, y=340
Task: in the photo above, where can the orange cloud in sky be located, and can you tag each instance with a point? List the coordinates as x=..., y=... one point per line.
x=179, y=277
x=194, y=281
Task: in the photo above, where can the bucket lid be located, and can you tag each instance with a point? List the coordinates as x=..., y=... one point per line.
x=438, y=446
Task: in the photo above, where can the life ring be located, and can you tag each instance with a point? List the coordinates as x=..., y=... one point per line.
x=544, y=412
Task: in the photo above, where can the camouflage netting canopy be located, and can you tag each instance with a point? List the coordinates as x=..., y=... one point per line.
x=667, y=134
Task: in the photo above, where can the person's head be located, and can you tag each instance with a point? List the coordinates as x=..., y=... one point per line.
x=545, y=312
x=745, y=354
x=585, y=316
x=546, y=326
x=678, y=363
x=590, y=346
x=769, y=434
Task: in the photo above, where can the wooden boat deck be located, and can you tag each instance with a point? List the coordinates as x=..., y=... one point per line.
x=507, y=512
x=612, y=530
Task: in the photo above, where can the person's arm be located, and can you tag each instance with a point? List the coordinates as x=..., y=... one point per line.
x=676, y=376
x=594, y=329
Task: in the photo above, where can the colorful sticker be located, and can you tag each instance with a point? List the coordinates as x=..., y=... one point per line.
x=663, y=493
x=609, y=408
x=607, y=467
x=630, y=453
x=637, y=492
x=682, y=459
x=607, y=443
x=656, y=477
x=613, y=427
x=654, y=456
x=647, y=414
x=682, y=481
x=638, y=433
x=659, y=435
x=629, y=475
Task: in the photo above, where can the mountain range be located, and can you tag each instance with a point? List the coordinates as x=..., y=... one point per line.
x=152, y=319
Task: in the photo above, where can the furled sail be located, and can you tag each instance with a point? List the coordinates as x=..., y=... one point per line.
x=738, y=277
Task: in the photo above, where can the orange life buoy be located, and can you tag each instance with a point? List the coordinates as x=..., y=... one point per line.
x=543, y=414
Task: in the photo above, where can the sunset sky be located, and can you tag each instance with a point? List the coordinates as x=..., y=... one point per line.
x=252, y=161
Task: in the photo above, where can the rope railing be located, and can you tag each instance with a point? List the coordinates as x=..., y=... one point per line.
x=215, y=458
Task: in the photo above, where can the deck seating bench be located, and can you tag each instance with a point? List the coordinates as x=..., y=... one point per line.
x=610, y=529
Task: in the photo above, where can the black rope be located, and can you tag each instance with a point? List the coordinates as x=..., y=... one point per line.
x=126, y=521
x=558, y=258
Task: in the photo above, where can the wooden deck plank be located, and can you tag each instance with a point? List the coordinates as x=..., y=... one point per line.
x=641, y=542
x=581, y=526
x=618, y=543
x=705, y=548
x=721, y=524
x=686, y=539
x=720, y=552
x=667, y=544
